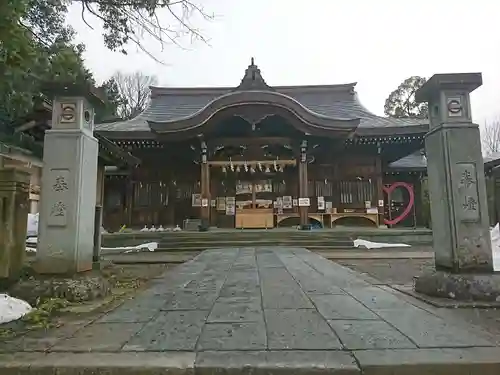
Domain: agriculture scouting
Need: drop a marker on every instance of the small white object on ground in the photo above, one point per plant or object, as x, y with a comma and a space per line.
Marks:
12, 308
150, 246
377, 245
177, 228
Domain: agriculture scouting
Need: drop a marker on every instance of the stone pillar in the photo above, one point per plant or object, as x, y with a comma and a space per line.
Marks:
303, 210
68, 191
455, 168
205, 188
14, 208
98, 214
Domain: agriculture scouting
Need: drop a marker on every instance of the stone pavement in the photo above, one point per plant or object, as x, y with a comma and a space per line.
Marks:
263, 310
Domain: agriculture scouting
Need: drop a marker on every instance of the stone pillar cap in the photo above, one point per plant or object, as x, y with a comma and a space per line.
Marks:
95, 96
450, 81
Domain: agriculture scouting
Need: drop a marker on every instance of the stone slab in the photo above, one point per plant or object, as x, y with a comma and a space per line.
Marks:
367, 334
276, 362
430, 331
171, 330
205, 284
236, 309
191, 300
314, 285
41, 340
464, 361
299, 329
341, 307
98, 363
285, 299
138, 310
376, 298
240, 290
100, 337
233, 336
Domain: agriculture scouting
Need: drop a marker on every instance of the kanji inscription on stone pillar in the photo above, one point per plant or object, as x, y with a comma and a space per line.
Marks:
59, 192
467, 190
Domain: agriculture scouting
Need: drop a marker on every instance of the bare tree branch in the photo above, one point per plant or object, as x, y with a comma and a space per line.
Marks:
134, 88
127, 21
490, 136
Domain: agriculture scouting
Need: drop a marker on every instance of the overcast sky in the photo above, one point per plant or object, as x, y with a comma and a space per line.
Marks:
375, 43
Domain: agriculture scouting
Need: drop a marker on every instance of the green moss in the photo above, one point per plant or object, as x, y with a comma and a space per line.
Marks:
44, 311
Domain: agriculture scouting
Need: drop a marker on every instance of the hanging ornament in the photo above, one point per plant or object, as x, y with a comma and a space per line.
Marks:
224, 169
275, 166
267, 169
252, 169
260, 166
237, 168
231, 165
246, 167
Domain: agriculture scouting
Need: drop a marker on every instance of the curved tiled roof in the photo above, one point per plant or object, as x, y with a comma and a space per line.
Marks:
169, 105
418, 161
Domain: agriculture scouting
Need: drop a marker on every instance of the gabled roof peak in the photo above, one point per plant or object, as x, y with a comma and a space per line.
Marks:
252, 80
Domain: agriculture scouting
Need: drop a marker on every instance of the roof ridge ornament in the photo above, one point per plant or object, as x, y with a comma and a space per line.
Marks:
252, 80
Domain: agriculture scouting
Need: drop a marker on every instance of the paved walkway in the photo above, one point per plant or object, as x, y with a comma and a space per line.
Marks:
266, 309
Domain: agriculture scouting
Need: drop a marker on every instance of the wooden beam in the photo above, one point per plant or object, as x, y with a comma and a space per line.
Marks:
244, 141
251, 162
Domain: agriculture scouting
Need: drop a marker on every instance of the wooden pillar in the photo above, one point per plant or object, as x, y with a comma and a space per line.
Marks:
14, 207
496, 192
205, 186
128, 200
379, 186
98, 214
303, 210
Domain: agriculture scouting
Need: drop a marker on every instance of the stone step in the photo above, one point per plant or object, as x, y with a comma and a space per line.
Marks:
261, 242
297, 238
180, 249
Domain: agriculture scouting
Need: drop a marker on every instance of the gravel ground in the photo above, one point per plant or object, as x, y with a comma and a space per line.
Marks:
402, 271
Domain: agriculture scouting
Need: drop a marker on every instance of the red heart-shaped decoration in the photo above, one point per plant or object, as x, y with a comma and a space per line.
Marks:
409, 188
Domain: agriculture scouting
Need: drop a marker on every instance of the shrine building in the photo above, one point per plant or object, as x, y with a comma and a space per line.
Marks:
260, 156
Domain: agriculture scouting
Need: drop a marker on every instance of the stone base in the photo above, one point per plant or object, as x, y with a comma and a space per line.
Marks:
80, 288
460, 287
